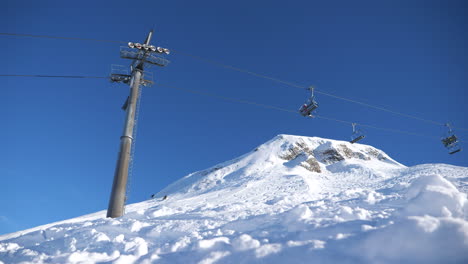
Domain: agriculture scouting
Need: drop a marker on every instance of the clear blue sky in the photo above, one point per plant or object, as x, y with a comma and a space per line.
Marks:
61, 136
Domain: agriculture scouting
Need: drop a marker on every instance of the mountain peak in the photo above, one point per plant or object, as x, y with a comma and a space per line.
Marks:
328, 151
286, 155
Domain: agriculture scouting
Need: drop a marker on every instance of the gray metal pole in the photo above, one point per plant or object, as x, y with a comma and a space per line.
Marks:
119, 186
118, 195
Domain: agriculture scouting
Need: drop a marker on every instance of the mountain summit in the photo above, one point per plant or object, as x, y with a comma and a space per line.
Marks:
292, 199
288, 155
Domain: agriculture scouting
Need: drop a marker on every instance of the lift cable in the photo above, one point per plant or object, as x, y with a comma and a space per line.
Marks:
305, 87
55, 37
236, 100
378, 128
214, 62
226, 98
292, 111
55, 76
239, 69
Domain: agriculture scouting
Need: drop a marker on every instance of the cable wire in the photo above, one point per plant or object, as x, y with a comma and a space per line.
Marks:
379, 128
54, 76
226, 98
219, 64
293, 111
304, 87
240, 70
55, 37
245, 102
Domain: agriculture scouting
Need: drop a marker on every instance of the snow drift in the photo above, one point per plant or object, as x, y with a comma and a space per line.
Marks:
291, 200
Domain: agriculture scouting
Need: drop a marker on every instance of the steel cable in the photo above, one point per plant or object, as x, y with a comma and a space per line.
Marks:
214, 62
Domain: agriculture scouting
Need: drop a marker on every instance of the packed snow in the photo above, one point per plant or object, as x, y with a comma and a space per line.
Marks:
291, 200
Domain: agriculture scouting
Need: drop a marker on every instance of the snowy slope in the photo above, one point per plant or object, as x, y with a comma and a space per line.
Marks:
291, 200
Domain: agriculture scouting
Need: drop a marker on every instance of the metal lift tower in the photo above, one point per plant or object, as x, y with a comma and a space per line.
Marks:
142, 55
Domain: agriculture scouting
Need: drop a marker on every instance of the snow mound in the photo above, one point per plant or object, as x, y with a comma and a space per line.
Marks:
291, 200
434, 230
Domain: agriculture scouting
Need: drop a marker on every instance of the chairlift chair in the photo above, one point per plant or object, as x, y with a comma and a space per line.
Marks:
450, 141
310, 105
357, 134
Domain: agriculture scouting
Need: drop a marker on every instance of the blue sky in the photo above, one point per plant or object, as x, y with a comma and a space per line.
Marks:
61, 136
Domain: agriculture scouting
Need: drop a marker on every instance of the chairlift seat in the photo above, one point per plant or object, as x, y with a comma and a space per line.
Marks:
306, 110
448, 141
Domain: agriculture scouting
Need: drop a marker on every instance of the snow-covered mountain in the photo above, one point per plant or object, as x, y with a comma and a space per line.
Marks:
291, 200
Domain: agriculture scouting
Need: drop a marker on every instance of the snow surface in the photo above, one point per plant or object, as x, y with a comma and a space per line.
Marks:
291, 200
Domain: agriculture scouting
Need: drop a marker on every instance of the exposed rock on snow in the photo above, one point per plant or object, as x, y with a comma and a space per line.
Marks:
291, 200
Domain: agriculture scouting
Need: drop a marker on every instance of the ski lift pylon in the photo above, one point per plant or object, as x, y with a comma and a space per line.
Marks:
357, 134
450, 141
310, 105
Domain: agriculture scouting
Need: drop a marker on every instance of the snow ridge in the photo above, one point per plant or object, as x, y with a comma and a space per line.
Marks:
291, 200
312, 153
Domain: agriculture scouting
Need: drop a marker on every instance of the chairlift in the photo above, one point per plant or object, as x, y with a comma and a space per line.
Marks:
450, 141
310, 105
357, 134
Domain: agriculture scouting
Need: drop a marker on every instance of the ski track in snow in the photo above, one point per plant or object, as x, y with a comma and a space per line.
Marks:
272, 206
